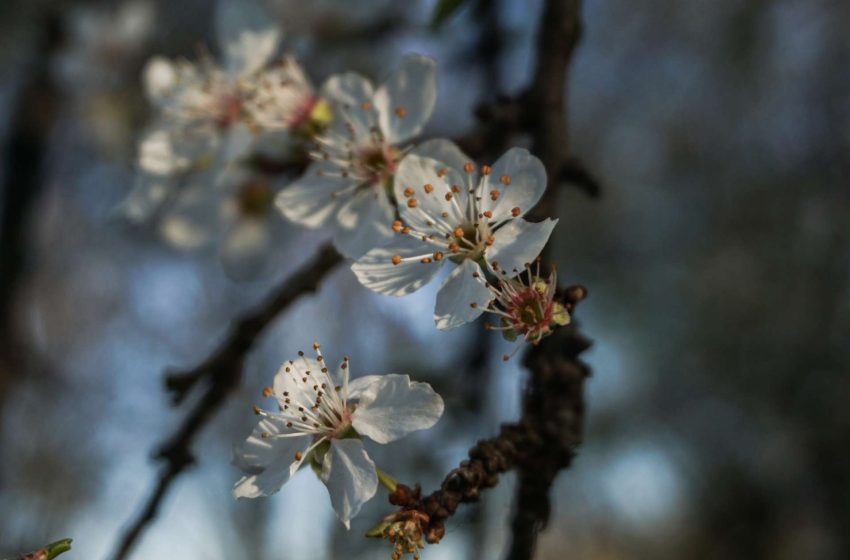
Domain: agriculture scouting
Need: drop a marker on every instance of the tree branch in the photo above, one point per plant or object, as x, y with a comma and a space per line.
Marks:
542, 442
221, 372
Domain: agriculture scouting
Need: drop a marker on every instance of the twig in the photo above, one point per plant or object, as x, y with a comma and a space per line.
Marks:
221, 372
542, 442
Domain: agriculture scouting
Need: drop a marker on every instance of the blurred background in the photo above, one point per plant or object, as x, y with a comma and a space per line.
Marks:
717, 259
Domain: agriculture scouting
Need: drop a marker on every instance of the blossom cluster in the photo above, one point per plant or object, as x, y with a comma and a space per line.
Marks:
401, 210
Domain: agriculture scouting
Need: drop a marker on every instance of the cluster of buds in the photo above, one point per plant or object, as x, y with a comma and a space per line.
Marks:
404, 530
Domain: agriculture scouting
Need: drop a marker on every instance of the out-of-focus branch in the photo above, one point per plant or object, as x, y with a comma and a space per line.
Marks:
541, 110
549, 402
539, 445
220, 374
33, 115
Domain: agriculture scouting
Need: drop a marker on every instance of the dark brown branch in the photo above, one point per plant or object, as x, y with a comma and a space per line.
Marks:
542, 442
33, 116
220, 373
560, 31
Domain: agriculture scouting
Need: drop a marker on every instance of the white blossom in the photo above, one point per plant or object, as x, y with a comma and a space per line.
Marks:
320, 420
350, 182
452, 211
526, 306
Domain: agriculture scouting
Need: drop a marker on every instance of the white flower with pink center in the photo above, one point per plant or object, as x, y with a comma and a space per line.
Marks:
320, 420
350, 182
452, 211
526, 306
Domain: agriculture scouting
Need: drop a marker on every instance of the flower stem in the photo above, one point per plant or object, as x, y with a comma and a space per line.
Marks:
387, 481
57, 548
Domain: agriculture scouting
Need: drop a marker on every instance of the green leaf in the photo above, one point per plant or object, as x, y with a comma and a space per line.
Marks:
444, 10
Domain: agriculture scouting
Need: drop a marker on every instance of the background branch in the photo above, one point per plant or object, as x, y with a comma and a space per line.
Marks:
221, 373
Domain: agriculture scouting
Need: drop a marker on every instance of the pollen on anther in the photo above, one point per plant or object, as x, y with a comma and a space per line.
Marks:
397, 225
505, 179
300, 353
265, 435
515, 211
426, 260
268, 391
412, 203
445, 214
289, 424
438, 256
316, 346
442, 172
469, 167
401, 112
396, 259
408, 192
458, 232
257, 410
486, 169
488, 214
429, 188
454, 247
473, 305
405, 230
455, 189
366, 105
298, 455
494, 195
448, 196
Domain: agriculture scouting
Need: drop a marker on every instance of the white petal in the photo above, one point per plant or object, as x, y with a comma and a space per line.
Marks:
159, 155
406, 100
257, 452
237, 143
350, 476
266, 461
247, 35
245, 248
348, 89
159, 77
392, 406
364, 222
290, 381
421, 174
269, 480
516, 244
444, 151
462, 297
376, 271
309, 201
526, 179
